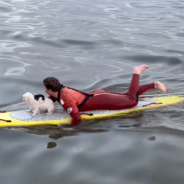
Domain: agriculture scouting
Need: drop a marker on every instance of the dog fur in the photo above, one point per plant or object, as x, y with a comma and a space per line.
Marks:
40, 105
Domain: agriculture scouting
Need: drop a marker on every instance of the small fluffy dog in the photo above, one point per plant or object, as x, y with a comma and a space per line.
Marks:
41, 104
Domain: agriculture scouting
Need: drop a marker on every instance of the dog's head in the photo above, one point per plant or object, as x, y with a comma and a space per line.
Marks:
28, 98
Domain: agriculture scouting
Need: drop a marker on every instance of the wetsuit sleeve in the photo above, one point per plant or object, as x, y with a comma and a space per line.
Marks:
70, 106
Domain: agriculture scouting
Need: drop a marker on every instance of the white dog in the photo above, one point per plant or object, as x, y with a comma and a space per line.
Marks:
40, 105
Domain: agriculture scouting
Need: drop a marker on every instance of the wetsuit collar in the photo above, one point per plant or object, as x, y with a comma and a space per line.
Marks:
59, 93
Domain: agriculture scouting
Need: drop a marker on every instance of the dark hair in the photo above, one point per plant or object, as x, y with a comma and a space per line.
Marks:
52, 83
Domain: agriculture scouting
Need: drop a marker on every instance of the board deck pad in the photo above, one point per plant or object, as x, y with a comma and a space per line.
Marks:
61, 114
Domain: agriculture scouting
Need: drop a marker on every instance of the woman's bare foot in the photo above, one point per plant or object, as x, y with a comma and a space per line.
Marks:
161, 86
139, 69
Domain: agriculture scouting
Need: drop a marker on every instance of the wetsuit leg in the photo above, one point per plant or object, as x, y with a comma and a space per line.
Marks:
110, 101
134, 86
144, 88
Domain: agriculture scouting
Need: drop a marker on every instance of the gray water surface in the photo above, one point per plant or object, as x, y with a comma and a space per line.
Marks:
92, 45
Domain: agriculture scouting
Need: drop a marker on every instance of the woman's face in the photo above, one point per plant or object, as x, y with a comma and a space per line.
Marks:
48, 91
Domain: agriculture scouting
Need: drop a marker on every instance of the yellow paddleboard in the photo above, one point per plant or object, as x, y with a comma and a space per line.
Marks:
24, 118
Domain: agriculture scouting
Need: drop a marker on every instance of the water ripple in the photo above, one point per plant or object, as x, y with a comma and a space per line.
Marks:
90, 45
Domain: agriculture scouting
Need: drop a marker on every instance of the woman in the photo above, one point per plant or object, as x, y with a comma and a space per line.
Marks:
74, 101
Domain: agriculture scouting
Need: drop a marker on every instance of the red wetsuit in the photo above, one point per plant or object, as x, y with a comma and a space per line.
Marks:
74, 101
